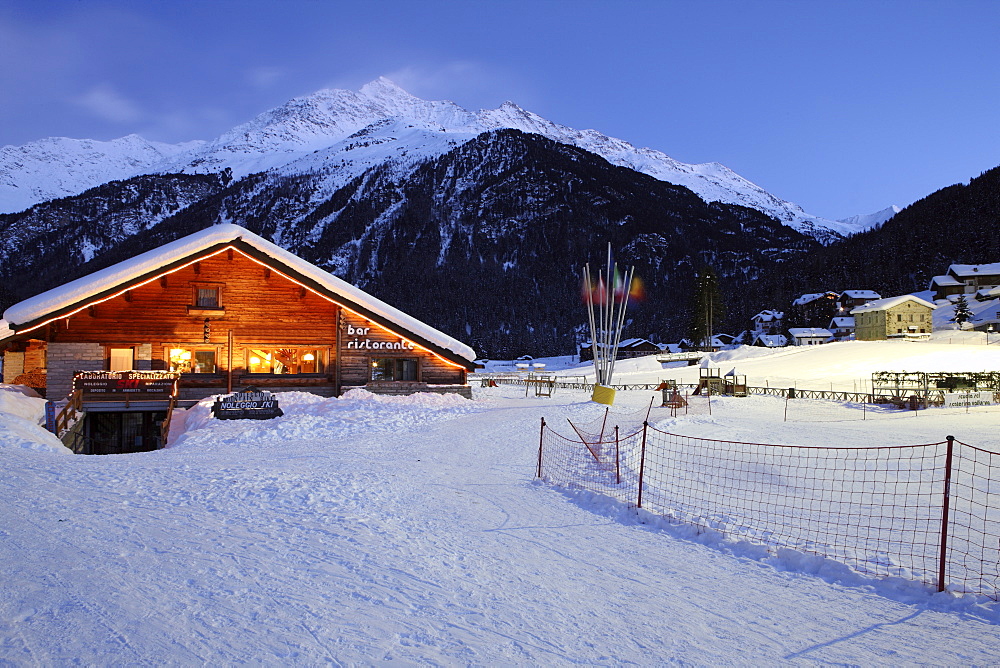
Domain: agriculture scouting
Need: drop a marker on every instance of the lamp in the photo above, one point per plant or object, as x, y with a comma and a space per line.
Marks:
308, 357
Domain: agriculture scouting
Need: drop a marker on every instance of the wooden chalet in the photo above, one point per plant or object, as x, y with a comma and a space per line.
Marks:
209, 314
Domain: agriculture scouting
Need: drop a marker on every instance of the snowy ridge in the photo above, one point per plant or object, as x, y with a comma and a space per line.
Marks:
868, 221
322, 127
60, 167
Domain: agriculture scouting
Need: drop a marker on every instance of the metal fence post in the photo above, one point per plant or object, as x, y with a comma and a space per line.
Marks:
541, 437
945, 512
642, 464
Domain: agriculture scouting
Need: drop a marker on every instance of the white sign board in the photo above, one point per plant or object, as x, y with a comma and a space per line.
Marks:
983, 398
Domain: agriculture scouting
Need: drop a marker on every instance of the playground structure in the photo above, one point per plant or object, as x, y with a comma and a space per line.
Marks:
920, 389
711, 382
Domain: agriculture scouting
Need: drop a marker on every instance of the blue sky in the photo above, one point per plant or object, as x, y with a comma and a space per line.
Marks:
842, 107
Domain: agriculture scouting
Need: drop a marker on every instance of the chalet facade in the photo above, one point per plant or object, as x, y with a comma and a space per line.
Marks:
223, 309
966, 279
893, 317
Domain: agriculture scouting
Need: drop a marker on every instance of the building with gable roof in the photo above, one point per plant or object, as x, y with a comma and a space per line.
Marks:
893, 317
221, 309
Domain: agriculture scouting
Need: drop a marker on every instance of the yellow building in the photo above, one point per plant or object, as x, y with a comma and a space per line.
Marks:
893, 317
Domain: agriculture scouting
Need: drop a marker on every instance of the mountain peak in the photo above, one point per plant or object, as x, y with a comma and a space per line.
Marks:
385, 88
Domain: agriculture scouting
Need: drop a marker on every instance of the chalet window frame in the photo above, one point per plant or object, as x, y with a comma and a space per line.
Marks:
194, 348
197, 308
398, 370
324, 361
108, 357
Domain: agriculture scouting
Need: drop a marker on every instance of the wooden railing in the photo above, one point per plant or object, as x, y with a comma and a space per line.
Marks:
165, 425
69, 412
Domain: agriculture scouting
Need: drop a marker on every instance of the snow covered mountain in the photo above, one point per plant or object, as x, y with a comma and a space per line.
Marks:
344, 133
864, 222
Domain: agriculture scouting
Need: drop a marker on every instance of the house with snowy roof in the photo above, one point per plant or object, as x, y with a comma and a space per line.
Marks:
850, 299
814, 309
768, 322
965, 279
219, 309
893, 317
842, 327
809, 336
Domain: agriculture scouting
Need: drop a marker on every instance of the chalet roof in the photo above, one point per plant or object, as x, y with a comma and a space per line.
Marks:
62, 300
889, 302
841, 321
972, 270
810, 332
809, 298
861, 294
945, 280
771, 340
768, 316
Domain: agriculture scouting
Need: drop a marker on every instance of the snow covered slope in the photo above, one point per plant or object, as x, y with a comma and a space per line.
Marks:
324, 127
367, 530
864, 222
59, 167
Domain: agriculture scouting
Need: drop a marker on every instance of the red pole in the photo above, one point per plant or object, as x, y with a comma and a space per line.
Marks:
945, 512
541, 437
618, 469
642, 464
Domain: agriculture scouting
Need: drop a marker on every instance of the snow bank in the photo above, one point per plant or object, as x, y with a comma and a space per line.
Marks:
20, 418
311, 417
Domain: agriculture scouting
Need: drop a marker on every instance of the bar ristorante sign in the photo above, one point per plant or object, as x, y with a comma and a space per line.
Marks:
250, 404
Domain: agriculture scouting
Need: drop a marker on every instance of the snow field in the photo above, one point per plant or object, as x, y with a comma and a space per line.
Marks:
411, 530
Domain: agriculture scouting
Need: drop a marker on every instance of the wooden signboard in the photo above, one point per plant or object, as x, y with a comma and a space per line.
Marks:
126, 385
247, 405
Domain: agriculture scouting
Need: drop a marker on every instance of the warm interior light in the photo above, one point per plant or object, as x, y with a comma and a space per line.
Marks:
175, 353
254, 360
186, 355
308, 357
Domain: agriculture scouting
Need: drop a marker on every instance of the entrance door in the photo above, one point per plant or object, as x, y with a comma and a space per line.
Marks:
120, 433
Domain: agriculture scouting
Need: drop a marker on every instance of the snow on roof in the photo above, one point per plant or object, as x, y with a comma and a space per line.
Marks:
842, 321
971, 270
810, 332
805, 299
771, 340
79, 290
889, 302
861, 294
768, 315
945, 280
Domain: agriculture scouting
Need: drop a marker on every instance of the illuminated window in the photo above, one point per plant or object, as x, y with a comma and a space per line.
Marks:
285, 360
394, 368
120, 359
207, 298
192, 360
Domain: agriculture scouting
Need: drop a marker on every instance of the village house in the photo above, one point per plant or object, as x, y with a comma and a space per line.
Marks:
893, 317
966, 279
842, 327
814, 310
215, 311
809, 336
850, 299
768, 322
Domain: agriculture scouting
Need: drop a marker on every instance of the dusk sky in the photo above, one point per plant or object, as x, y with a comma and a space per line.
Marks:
842, 107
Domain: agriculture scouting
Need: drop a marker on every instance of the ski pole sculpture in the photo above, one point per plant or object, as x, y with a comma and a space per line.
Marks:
606, 301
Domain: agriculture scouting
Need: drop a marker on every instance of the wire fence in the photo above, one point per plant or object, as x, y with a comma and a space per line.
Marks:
929, 512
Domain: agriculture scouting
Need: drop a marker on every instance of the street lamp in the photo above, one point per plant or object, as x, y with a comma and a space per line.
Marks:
989, 330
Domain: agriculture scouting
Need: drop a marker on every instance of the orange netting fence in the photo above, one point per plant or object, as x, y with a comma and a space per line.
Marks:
929, 513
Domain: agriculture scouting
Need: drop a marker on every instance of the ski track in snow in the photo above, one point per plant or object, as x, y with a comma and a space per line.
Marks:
412, 531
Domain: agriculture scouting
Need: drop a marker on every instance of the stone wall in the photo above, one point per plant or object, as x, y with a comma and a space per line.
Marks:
64, 359
13, 366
